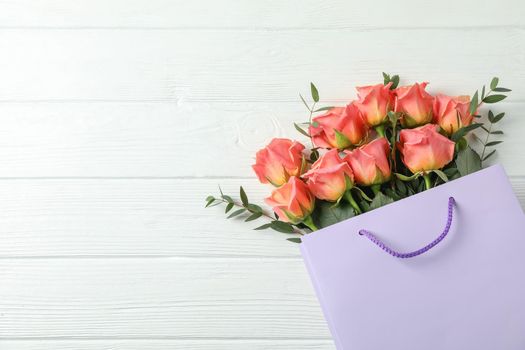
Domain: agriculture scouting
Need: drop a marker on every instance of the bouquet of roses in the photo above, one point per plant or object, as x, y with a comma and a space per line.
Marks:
389, 143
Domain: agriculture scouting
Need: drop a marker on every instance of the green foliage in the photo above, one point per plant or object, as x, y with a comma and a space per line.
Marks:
379, 200
468, 161
394, 79
327, 213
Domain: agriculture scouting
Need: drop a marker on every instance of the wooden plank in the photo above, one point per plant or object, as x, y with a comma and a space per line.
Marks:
207, 65
135, 218
168, 344
333, 14
158, 298
122, 218
167, 139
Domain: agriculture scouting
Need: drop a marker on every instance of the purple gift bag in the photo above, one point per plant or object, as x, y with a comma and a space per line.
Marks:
443, 269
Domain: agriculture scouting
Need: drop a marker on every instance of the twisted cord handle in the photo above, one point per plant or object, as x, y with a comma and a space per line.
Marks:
426, 248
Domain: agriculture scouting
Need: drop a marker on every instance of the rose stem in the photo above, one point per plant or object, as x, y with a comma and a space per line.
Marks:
353, 203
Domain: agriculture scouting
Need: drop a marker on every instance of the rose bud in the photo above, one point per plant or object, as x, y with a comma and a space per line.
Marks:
330, 177
278, 161
292, 202
370, 163
340, 127
423, 149
375, 102
415, 104
452, 113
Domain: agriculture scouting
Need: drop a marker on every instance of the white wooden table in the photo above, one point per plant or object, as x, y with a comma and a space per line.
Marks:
118, 117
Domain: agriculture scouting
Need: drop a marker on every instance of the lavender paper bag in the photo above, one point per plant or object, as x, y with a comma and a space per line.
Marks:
466, 292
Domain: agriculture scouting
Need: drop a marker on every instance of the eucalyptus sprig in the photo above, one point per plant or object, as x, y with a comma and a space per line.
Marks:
311, 109
251, 212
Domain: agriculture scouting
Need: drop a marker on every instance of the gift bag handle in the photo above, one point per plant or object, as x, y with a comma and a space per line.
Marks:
426, 248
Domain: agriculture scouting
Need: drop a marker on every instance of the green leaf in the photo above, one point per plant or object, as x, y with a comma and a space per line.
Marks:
326, 214
441, 175
493, 143
494, 98
395, 82
281, 226
298, 128
502, 89
498, 117
254, 216
322, 109
474, 103
483, 92
494, 83
490, 117
254, 208
294, 240
227, 198
379, 200
228, 208
468, 161
209, 201
244, 197
315, 93
304, 101
464, 130
407, 178
386, 78
488, 155
237, 212
496, 132
263, 227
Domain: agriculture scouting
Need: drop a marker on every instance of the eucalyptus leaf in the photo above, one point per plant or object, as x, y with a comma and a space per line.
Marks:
298, 128
498, 117
281, 226
494, 83
254, 208
263, 227
294, 240
254, 216
502, 89
468, 161
322, 109
315, 93
237, 212
227, 198
474, 103
244, 197
229, 207
494, 98
304, 101
493, 143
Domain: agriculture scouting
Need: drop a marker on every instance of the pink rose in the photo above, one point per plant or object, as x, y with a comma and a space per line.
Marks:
329, 177
370, 163
452, 113
292, 202
424, 148
415, 104
375, 102
340, 127
278, 161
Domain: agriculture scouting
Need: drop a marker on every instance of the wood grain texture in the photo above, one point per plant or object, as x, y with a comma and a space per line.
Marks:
167, 344
274, 14
263, 66
152, 298
184, 139
118, 117
135, 218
